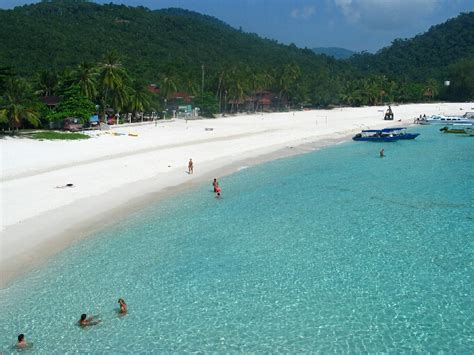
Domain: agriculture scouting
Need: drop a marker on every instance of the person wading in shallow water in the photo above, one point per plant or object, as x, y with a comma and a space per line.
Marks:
123, 306
218, 192
84, 321
22, 344
382, 153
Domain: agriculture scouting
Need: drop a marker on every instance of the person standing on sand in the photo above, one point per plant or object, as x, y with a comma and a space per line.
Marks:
382, 153
190, 167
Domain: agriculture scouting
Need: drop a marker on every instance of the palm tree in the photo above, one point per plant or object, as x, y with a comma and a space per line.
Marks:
259, 82
47, 82
139, 98
112, 82
85, 77
169, 86
190, 86
431, 89
236, 86
16, 105
289, 77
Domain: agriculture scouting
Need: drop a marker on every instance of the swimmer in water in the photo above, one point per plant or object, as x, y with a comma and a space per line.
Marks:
123, 306
22, 344
382, 153
84, 321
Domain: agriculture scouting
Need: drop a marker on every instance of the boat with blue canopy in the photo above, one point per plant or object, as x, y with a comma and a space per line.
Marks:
374, 135
384, 135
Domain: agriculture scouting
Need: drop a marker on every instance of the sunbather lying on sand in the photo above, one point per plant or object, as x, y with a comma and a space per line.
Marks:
64, 186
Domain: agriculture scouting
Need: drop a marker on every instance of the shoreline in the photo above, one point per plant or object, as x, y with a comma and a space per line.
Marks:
114, 177
72, 229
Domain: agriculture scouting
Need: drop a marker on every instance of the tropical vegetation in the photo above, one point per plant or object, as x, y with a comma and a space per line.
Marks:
102, 59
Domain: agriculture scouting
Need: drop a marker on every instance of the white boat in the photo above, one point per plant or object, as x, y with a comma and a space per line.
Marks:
440, 119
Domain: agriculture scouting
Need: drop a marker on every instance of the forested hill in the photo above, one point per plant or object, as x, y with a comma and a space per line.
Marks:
58, 46
60, 34
336, 52
427, 55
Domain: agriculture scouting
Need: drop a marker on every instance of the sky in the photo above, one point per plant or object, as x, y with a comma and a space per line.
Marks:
358, 25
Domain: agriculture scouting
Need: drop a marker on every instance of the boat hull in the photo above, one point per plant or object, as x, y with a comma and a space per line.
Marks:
375, 139
408, 136
455, 131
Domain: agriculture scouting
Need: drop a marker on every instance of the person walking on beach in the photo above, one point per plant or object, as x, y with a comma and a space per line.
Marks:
22, 344
84, 321
215, 185
123, 306
382, 153
190, 167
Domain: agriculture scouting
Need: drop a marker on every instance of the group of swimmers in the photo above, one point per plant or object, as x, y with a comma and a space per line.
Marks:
83, 322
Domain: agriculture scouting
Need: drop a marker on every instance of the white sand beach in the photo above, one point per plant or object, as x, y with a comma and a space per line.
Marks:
114, 175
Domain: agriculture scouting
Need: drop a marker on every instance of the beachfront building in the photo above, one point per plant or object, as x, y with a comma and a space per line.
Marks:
267, 101
258, 101
154, 89
180, 104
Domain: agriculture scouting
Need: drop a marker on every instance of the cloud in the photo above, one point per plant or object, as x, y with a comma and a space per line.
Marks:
386, 14
304, 13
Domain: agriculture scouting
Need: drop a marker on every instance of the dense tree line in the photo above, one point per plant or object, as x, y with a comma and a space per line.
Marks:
105, 55
424, 56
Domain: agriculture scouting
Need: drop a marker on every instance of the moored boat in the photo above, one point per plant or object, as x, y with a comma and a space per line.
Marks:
384, 135
374, 135
456, 128
440, 119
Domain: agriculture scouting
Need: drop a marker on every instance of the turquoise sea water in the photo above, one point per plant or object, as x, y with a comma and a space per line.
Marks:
336, 250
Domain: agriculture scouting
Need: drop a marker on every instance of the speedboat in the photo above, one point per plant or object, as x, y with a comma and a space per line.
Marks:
440, 119
400, 133
375, 135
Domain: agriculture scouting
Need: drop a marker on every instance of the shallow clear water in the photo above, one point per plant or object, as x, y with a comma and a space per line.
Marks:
336, 250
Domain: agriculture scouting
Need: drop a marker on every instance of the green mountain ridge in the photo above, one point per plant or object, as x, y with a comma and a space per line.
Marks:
58, 34
181, 50
335, 52
425, 55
